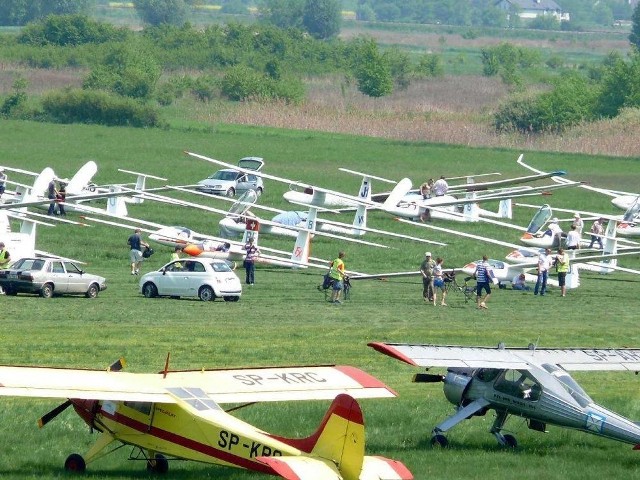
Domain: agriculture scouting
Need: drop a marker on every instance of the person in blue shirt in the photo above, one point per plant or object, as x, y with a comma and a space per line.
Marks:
483, 276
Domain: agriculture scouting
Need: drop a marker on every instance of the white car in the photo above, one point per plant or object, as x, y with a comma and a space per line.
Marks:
206, 279
229, 182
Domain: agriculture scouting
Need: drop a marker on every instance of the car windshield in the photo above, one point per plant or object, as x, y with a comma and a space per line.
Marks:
72, 268
220, 267
29, 264
225, 175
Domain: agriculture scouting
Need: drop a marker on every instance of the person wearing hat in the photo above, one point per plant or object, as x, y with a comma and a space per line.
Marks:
555, 231
578, 223
426, 269
3, 181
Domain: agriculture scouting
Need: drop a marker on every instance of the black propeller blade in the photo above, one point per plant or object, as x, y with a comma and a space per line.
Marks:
428, 378
47, 417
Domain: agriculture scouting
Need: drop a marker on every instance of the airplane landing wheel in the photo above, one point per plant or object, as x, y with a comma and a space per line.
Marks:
510, 441
75, 463
159, 464
439, 441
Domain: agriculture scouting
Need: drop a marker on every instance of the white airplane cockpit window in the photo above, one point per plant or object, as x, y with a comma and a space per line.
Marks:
633, 212
569, 384
520, 384
243, 203
142, 407
540, 219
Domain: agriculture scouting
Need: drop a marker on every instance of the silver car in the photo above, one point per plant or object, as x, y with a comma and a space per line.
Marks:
206, 279
48, 277
229, 182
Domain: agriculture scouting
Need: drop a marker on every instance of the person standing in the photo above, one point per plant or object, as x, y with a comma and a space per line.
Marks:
562, 267
60, 199
438, 282
51, 195
483, 275
426, 269
336, 273
441, 187
544, 263
555, 231
135, 253
572, 242
596, 233
250, 261
5, 260
578, 223
3, 182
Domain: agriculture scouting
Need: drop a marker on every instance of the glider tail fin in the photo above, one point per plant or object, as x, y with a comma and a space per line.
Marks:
302, 247
360, 219
117, 205
505, 210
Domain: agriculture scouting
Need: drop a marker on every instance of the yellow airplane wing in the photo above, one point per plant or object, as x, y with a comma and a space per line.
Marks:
223, 386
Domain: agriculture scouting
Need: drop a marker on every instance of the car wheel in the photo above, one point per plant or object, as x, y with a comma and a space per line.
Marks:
92, 292
149, 290
231, 298
75, 463
206, 294
230, 193
258, 192
46, 291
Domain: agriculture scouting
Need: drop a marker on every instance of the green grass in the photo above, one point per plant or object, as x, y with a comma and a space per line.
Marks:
284, 319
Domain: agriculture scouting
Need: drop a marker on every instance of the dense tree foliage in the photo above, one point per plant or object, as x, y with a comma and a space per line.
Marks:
158, 12
69, 30
282, 13
20, 12
322, 18
634, 37
372, 69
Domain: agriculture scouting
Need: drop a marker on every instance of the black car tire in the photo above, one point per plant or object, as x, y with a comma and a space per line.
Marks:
230, 193
231, 298
206, 294
92, 291
149, 290
47, 290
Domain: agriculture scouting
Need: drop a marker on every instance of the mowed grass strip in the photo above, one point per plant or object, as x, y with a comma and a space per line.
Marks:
284, 319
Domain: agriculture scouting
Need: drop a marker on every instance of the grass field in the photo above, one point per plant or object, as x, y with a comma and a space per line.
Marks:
284, 319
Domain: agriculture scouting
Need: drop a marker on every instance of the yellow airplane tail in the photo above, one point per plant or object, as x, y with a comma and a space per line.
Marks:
336, 450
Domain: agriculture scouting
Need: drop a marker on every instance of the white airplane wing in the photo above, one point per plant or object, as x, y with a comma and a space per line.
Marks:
516, 358
223, 386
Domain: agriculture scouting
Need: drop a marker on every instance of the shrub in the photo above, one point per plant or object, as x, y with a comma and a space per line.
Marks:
430, 65
69, 30
87, 106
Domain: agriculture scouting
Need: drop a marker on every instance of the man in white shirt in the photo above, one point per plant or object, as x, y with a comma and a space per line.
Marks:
441, 187
544, 264
573, 239
555, 231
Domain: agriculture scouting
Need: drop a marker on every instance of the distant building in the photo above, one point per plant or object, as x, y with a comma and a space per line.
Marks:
528, 9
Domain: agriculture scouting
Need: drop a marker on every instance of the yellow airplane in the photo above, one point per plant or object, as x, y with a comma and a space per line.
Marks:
177, 415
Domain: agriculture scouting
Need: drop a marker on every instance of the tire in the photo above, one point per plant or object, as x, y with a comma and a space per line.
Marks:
510, 441
10, 292
230, 193
159, 464
232, 298
439, 441
259, 192
149, 290
93, 291
206, 294
75, 463
47, 290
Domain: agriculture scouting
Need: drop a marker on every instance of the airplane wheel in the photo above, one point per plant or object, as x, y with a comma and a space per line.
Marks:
510, 441
46, 291
159, 464
149, 290
92, 292
439, 441
75, 463
206, 294
231, 298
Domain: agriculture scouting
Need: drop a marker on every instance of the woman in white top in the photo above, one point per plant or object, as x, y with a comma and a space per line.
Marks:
438, 282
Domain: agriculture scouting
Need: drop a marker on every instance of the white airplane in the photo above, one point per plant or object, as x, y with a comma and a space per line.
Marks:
620, 199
